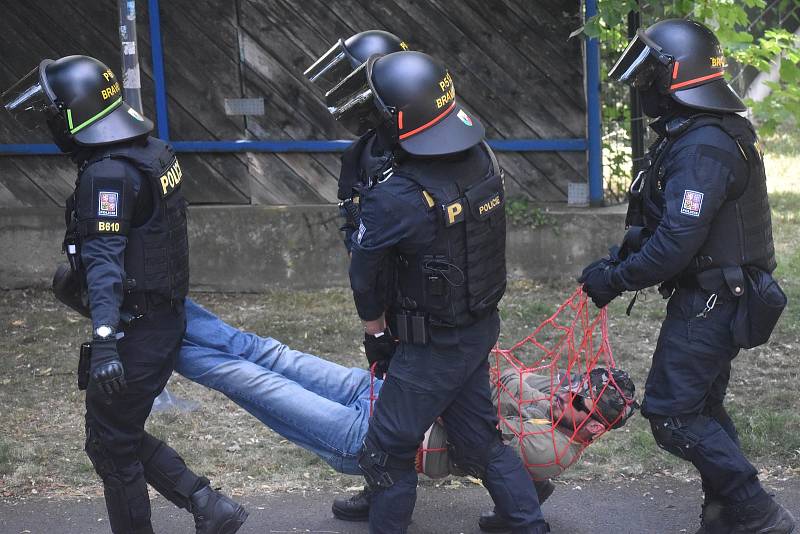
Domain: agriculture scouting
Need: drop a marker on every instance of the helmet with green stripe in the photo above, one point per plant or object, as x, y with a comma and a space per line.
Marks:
79, 98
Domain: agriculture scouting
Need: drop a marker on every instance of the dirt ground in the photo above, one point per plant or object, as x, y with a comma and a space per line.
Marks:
41, 446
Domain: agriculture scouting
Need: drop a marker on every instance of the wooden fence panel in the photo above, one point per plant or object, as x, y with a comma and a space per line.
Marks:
512, 62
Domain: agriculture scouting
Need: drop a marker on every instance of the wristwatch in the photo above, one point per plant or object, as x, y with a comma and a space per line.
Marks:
104, 332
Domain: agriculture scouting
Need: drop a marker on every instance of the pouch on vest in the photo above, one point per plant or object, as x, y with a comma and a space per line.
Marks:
486, 204
759, 309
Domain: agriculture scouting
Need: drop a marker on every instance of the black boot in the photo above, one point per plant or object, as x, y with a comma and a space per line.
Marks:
491, 522
353, 508
214, 513
761, 515
713, 519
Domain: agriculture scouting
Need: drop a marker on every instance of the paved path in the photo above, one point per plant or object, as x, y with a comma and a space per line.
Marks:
660, 506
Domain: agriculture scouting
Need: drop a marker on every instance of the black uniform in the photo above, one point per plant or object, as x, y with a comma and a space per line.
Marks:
705, 201
127, 218
444, 219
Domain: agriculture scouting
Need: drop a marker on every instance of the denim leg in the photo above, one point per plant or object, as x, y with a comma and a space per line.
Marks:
328, 429
330, 380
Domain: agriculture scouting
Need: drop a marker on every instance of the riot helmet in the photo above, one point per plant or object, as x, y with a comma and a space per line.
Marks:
347, 55
681, 59
80, 100
413, 96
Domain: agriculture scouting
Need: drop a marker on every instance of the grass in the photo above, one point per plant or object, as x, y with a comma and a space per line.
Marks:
41, 446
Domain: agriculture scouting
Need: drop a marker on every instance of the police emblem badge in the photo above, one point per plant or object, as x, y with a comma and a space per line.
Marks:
692, 203
107, 205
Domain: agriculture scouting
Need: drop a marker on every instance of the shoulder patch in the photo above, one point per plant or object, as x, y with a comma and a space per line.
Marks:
108, 204
692, 203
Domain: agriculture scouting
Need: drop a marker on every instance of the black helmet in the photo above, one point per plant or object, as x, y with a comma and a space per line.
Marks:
683, 59
612, 393
414, 95
346, 56
79, 97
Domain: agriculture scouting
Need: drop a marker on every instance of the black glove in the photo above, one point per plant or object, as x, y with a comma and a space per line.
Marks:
379, 350
598, 283
106, 368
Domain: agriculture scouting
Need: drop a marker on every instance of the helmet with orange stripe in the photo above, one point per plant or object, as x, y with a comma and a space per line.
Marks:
682, 59
411, 96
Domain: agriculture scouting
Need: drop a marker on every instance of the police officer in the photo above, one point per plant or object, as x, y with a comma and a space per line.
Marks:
363, 165
127, 243
699, 222
439, 206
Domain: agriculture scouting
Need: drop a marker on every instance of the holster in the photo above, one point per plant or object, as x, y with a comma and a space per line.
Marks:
84, 362
760, 301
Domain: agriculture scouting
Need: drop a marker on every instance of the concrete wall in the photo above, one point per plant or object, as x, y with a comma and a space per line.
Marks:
249, 248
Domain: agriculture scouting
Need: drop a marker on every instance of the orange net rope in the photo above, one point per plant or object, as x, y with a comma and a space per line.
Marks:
537, 382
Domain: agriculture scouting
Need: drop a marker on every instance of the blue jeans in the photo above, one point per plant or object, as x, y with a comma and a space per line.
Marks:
316, 404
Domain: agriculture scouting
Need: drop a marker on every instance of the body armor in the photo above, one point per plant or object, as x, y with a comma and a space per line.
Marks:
741, 233
157, 252
461, 276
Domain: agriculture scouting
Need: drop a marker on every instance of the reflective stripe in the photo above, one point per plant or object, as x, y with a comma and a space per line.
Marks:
696, 80
675, 70
430, 123
75, 129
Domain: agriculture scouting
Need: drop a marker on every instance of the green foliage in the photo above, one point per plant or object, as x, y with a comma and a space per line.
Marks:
754, 34
522, 212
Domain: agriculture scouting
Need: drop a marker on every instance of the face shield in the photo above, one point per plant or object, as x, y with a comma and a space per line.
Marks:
639, 64
331, 68
29, 100
354, 102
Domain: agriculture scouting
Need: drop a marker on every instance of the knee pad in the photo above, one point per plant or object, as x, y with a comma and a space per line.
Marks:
378, 465
166, 471
678, 435
128, 506
98, 454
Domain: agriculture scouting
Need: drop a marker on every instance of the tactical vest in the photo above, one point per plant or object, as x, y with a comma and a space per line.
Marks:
461, 276
741, 232
157, 253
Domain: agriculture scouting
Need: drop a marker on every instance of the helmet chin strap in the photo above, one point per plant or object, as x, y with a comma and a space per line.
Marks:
61, 136
387, 135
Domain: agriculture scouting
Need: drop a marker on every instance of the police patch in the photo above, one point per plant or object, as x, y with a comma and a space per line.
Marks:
692, 203
107, 204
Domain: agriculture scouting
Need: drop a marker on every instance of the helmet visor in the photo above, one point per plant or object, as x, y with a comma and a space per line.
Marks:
353, 102
27, 101
331, 68
637, 66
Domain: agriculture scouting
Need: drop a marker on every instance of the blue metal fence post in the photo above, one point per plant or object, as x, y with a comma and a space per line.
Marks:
594, 131
157, 50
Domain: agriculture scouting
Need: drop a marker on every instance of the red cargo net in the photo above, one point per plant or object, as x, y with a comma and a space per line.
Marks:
565, 347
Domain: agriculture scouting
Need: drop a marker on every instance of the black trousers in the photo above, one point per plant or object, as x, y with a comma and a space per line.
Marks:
686, 389
123, 454
449, 377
